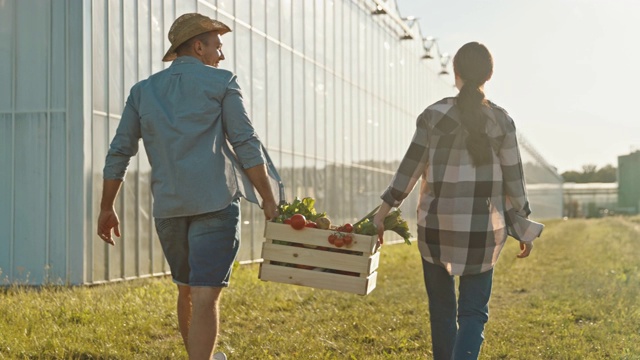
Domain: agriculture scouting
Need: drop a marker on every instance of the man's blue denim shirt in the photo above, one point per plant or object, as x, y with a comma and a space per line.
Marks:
187, 115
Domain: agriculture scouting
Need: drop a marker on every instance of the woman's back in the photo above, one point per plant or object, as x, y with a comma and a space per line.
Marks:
462, 205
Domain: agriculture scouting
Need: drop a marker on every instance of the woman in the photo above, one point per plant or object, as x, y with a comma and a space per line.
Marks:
472, 196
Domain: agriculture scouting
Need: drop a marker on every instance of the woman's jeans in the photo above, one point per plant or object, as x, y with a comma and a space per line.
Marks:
461, 341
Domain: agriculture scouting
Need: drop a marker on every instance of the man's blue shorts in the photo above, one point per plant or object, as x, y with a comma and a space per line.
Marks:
201, 249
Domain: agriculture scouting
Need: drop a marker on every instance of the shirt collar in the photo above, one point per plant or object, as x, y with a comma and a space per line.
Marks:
185, 59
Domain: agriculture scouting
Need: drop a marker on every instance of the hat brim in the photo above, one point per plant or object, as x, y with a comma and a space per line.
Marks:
171, 54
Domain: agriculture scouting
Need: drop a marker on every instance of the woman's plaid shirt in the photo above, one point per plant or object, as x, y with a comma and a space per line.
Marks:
465, 213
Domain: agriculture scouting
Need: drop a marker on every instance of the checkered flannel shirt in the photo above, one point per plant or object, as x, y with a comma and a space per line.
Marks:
465, 213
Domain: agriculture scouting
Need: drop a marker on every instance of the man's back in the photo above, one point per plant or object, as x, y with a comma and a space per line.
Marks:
185, 114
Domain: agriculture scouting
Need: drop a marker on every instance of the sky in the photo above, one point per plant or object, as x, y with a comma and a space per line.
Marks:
567, 71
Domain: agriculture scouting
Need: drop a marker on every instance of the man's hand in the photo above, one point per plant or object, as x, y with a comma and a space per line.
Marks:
526, 248
108, 220
270, 209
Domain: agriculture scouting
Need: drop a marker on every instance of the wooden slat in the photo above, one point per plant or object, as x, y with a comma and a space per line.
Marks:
320, 258
317, 237
316, 279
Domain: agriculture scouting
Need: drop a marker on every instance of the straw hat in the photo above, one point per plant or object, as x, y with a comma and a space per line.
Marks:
189, 25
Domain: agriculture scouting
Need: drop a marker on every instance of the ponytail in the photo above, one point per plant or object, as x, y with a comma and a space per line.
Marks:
474, 65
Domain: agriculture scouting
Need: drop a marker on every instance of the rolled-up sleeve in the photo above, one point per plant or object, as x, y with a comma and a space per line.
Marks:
512, 173
124, 144
411, 167
238, 127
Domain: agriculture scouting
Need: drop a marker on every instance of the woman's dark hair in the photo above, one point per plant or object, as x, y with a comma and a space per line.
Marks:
473, 64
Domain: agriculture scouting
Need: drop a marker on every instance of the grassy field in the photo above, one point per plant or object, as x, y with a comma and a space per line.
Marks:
576, 297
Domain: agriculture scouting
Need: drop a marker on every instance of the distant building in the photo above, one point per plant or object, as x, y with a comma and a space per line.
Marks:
590, 199
629, 182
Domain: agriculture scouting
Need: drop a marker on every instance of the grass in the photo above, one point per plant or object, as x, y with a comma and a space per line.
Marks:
576, 297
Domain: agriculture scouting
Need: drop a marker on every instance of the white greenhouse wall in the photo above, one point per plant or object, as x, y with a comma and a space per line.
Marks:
333, 82
44, 190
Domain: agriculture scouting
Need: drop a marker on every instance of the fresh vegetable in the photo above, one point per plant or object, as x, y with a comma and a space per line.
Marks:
311, 224
298, 221
393, 221
323, 223
332, 238
346, 228
303, 207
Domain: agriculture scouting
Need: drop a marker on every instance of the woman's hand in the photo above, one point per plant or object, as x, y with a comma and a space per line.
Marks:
526, 248
378, 221
379, 224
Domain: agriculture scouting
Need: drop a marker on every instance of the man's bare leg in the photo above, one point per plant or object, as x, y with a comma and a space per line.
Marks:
184, 312
203, 329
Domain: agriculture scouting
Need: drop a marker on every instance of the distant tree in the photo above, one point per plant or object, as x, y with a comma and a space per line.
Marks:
572, 176
591, 173
607, 174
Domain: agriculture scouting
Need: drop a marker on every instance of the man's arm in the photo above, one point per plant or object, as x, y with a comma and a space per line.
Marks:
260, 179
108, 218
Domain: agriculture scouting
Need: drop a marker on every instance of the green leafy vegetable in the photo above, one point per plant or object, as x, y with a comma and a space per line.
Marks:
304, 207
393, 221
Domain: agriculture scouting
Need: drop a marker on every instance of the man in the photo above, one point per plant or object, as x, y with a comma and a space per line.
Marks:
187, 115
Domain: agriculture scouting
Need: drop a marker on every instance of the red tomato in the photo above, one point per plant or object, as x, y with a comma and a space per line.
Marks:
347, 227
311, 224
287, 221
339, 242
298, 221
347, 239
332, 238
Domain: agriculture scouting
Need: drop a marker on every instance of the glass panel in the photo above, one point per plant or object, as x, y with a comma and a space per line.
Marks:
230, 47
311, 134
319, 32
273, 18
320, 117
243, 11
286, 100
130, 49
185, 6
258, 86
144, 41
114, 31
7, 20
100, 144
32, 20
258, 14
57, 198
273, 70
159, 41
285, 22
327, 48
99, 44
58, 60
246, 232
309, 31
145, 217
6, 182
243, 63
329, 146
129, 196
339, 123
30, 192
226, 6
338, 39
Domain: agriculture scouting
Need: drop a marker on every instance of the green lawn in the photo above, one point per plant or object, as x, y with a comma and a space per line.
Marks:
576, 297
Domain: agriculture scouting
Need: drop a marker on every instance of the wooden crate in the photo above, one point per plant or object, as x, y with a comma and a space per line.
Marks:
305, 257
